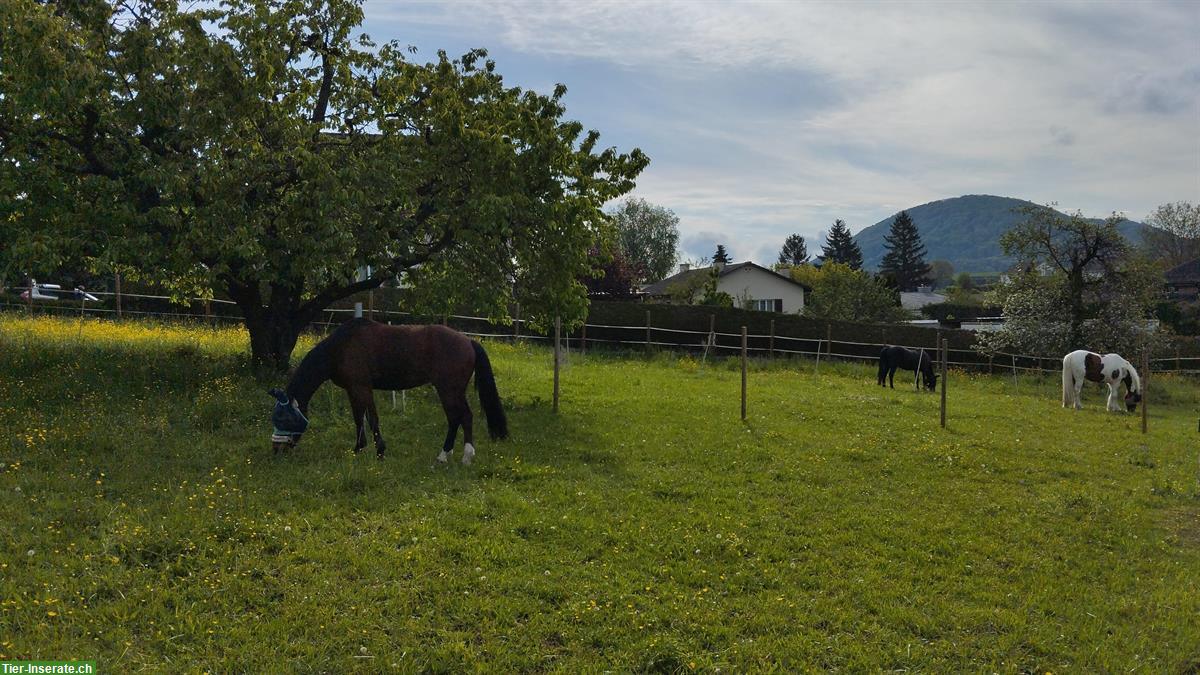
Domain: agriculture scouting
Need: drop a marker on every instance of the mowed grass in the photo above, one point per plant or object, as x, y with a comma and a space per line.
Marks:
147, 526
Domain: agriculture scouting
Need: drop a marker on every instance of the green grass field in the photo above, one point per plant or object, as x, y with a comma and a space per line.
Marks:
147, 526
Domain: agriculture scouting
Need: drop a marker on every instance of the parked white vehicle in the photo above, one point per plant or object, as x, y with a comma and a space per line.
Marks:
56, 292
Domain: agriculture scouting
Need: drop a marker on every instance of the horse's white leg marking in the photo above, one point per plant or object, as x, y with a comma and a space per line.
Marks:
1067, 382
468, 453
1113, 406
443, 456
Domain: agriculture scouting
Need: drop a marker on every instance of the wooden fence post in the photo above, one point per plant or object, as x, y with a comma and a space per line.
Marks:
557, 330
772, 343
517, 324
117, 295
743, 373
583, 337
829, 340
945, 357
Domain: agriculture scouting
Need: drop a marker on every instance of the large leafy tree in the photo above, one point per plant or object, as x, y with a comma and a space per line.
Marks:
647, 235
794, 251
904, 261
840, 246
1080, 286
1174, 237
847, 294
267, 151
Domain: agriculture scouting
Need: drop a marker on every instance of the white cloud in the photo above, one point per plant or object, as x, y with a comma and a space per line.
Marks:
887, 105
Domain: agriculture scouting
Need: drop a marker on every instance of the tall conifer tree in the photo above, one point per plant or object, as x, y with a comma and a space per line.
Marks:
840, 246
905, 259
794, 251
721, 256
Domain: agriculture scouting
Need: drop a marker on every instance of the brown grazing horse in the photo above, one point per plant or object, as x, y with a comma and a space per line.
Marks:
364, 355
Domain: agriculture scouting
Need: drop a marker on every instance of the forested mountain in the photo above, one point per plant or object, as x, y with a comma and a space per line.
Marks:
964, 230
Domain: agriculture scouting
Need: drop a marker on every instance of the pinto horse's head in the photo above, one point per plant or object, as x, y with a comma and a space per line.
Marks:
288, 421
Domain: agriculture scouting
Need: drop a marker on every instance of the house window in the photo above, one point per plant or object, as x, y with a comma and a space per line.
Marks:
775, 305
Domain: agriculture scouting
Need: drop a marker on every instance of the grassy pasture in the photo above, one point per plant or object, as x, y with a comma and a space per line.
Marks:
146, 525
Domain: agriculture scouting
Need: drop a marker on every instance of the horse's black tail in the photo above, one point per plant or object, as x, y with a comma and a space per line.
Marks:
489, 398
883, 366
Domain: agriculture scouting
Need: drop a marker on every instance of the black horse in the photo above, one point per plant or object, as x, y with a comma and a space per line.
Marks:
892, 358
364, 355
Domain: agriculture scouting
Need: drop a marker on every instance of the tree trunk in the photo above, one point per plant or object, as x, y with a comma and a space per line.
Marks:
1076, 328
272, 339
273, 330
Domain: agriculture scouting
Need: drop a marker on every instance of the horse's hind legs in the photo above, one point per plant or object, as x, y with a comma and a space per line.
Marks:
373, 418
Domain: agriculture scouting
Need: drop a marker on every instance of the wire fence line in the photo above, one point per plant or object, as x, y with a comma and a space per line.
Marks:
624, 336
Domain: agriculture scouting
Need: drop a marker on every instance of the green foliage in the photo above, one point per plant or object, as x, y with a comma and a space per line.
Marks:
721, 255
270, 152
645, 526
647, 235
1174, 237
794, 251
709, 295
941, 272
846, 294
964, 281
840, 246
905, 259
1082, 288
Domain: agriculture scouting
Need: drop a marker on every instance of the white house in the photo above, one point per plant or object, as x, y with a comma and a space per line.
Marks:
751, 287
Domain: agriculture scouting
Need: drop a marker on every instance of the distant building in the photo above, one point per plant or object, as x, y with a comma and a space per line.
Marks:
751, 287
924, 295
1183, 281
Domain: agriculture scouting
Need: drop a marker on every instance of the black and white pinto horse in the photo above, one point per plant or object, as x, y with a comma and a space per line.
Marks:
920, 362
1110, 369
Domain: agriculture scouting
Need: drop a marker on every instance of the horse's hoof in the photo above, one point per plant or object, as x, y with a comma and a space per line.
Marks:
468, 454
443, 457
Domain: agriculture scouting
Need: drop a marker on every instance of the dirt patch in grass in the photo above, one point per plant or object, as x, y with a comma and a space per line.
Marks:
1184, 523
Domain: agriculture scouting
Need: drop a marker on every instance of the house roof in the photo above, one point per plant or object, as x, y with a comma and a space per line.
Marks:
1188, 272
918, 300
662, 287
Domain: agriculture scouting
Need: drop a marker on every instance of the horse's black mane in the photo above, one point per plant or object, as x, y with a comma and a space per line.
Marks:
317, 364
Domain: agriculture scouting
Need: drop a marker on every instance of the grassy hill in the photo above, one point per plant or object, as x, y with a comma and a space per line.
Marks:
964, 230
645, 528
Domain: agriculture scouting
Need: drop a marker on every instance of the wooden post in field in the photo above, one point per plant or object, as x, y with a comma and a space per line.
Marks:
557, 358
829, 340
743, 373
445, 319
990, 357
647, 331
208, 311
1014, 365
817, 365
117, 294
1178, 366
772, 343
945, 357
517, 324
1145, 382
29, 307
583, 337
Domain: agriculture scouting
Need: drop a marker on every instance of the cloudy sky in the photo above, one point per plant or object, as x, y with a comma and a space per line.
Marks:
771, 118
